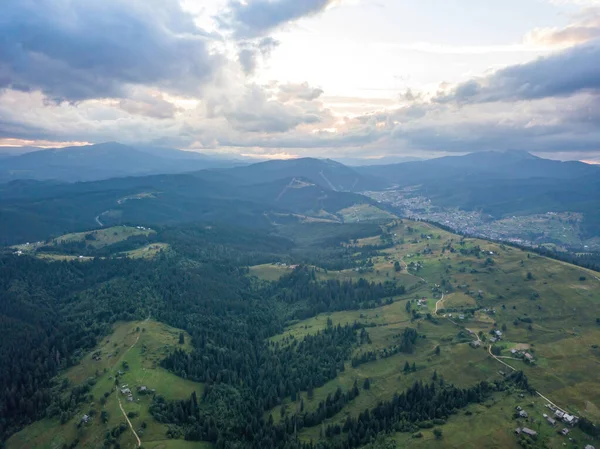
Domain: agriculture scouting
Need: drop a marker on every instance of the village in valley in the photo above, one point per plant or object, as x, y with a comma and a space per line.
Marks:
561, 228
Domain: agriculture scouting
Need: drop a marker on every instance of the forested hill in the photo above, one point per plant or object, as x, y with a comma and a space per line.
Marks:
51, 312
344, 345
33, 211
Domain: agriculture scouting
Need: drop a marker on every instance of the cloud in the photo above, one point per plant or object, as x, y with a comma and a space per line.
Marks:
77, 50
149, 104
301, 91
562, 74
586, 28
255, 111
256, 18
251, 51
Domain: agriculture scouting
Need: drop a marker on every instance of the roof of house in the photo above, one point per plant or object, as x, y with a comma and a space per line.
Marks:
528, 431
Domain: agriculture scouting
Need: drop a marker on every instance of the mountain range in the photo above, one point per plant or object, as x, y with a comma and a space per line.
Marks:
59, 201
103, 161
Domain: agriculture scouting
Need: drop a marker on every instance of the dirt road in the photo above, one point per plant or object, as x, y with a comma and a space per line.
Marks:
139, 442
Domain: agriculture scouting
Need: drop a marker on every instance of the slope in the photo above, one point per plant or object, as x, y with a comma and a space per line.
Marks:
102, 161
326, 173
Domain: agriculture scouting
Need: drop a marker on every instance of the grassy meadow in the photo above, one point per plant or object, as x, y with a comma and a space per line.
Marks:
544, 305
139, 346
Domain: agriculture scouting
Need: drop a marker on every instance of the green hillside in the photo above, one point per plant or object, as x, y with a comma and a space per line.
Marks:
552, 312
135, 349
290, 335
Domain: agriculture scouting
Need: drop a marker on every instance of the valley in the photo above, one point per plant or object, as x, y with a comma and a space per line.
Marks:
271, 306
560, 231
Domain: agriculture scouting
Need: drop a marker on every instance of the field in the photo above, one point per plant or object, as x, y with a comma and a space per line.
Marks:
95, 240
362, 212
102, 237
269, 272
147, 252
544, 305
134, 348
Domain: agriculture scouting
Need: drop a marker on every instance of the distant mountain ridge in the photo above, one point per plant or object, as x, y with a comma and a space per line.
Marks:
103, 161
499, 183
326, 173
482, 165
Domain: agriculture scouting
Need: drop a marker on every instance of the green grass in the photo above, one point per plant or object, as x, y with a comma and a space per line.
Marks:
564, 330
177, 444
154, 341
269, 272
148, 251
491, 425
363, 212
103, 237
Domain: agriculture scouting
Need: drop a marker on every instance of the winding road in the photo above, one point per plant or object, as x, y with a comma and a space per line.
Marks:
98, 219
139, 442
498, 359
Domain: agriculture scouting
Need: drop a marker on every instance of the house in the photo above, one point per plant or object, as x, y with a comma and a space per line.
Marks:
142, 388
528, 357
531, 433
125, 391
570, 419
519, 408
518, 430
498, 334
565, 431
513, 351
461, 317
523, 414
551, 421
130, 398
559, 414
475, 343
589, 446
85, 418
493, 340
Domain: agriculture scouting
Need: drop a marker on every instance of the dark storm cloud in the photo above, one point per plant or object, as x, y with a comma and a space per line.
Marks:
77, 50
566, 73
258, 17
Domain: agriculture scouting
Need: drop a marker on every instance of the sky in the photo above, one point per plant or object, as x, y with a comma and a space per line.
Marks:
294, 78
